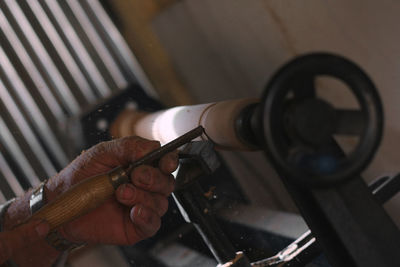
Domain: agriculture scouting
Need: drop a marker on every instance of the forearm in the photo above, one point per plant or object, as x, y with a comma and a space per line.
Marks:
38, 254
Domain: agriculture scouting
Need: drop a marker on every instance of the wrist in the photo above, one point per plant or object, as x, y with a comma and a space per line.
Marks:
17, 212
41, 254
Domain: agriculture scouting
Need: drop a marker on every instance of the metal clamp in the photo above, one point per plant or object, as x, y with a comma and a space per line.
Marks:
37, 199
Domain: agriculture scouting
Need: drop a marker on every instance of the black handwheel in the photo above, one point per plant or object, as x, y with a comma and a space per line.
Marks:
298, 131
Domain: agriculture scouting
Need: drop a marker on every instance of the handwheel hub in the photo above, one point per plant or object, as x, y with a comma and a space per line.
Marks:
298, 127
314, 121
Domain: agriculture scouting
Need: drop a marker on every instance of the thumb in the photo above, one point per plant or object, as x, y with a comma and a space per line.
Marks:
20, 237
107, 155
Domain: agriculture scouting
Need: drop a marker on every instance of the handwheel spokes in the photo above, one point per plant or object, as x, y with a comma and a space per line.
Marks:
309, 120
304, 88
350, 122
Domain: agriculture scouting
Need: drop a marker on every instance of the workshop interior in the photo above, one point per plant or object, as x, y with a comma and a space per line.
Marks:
285, 114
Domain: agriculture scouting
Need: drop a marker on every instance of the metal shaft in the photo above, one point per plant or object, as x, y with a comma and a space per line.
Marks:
169, 147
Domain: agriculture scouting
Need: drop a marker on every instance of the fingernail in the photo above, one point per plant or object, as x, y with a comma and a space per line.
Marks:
42, 229
143, 214
145, 176
138, 211
127, 191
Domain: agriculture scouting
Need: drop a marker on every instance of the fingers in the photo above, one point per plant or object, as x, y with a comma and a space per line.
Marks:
116, 152
126, 150
153, 180
129, 195
145, 220
20, 237
169, 162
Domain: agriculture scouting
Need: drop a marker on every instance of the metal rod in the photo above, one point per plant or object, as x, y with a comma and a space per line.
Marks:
169, 147
120, 48
99, 46
7, 174
78, 47
61, 48
25, 130
10, 144
31, 69
30, 106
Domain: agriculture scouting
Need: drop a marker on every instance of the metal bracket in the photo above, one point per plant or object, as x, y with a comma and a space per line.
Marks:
199, 158
305, 248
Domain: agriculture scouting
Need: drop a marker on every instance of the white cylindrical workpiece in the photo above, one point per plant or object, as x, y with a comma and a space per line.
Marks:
218, 120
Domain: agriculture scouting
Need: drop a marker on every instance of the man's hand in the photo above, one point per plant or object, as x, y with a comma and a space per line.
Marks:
135, 211
21, 237
131, 215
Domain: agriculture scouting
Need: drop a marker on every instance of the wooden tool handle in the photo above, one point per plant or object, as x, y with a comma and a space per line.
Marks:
81, 198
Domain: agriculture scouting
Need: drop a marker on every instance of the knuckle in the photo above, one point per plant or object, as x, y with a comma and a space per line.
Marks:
144, 176
172, 162
127, 194
154, 144
140, 196
101, 148
127, 147
135, 173
120, 191
152, 176
146, 198
157, 178
145, 146
123, 148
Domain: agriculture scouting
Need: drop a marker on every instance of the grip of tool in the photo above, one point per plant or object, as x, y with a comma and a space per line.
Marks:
81, 198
